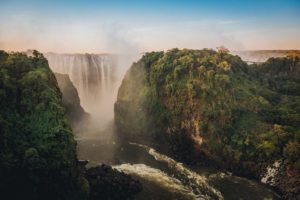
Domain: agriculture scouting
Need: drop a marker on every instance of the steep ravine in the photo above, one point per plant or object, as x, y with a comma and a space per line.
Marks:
206, 105
38, 158
104, 181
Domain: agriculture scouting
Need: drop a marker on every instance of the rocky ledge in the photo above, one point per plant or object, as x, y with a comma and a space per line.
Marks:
108, 183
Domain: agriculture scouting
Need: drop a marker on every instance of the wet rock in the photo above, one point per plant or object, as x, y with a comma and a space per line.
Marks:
271, 173
287, 182
108, 183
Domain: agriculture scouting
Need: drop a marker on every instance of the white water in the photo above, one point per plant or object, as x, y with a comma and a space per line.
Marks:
271, 173
158, 177
95, 76
194, 182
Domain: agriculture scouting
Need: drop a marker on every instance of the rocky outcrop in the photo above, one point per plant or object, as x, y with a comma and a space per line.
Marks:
108, 183
70, 99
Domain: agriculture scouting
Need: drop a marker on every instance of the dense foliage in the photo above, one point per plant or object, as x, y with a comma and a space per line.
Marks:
280, 86
203, 101
37, 149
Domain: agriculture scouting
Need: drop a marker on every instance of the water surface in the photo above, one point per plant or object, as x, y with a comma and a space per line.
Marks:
164, 178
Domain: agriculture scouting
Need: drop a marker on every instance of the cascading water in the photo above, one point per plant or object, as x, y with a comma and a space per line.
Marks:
92, 74
96, 77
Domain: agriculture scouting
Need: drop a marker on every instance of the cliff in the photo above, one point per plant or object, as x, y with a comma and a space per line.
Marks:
70, 99
37, 150
203, 103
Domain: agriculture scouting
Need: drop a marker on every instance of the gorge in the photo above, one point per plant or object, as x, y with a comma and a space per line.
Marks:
187, 124
149, 100
38, 158
105, 145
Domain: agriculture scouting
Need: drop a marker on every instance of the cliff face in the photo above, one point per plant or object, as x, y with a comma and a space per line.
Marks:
70, 99
37, 150
212, 104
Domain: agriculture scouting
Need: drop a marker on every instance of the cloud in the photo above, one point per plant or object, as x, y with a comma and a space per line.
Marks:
29, 32
190, 34
98, 35
117, 39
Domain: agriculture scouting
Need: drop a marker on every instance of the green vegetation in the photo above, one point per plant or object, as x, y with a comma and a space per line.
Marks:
203, 101
37, 150
280, 85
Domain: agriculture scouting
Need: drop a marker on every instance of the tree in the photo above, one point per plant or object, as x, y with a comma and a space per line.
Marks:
222, 49
37, 54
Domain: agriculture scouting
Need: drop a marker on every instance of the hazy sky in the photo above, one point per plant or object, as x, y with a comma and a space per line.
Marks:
137, 25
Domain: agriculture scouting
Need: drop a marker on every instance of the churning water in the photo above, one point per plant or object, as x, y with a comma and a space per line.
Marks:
164, 178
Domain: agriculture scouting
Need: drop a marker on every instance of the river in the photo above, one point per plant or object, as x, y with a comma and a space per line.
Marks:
164, 178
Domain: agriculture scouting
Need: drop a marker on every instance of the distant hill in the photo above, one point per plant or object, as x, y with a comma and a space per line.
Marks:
259, 56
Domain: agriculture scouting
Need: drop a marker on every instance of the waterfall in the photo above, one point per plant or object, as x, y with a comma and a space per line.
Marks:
95, 76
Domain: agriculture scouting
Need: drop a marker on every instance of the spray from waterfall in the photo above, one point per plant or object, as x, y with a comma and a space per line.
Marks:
97, 78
